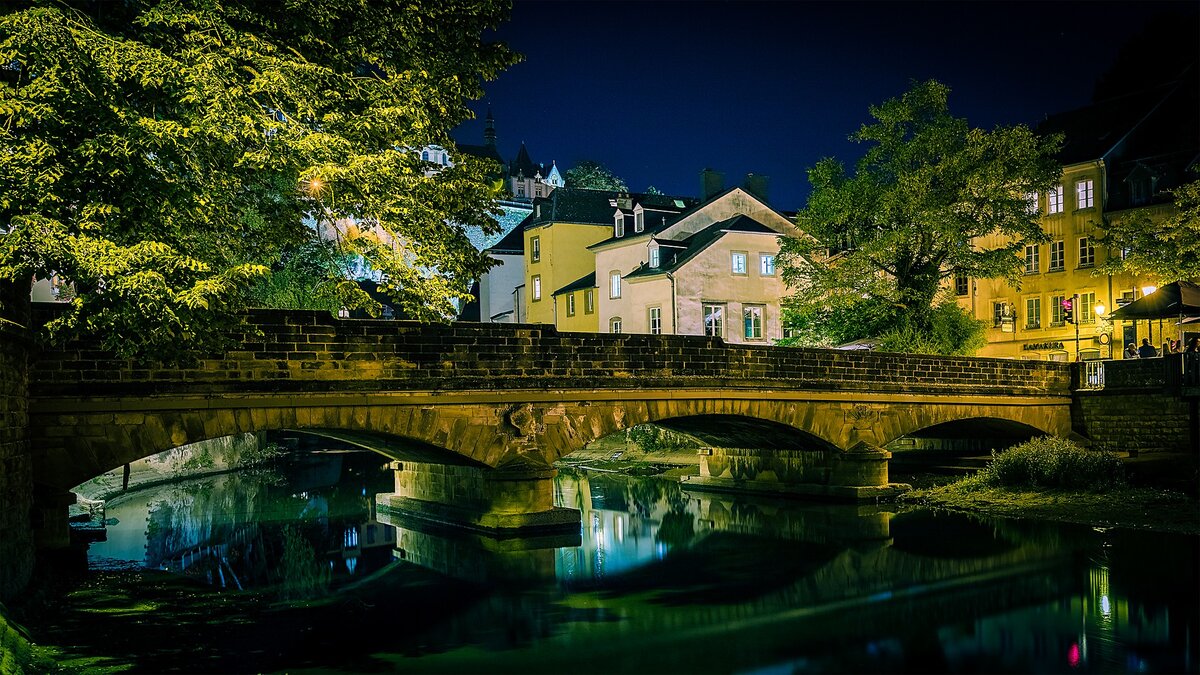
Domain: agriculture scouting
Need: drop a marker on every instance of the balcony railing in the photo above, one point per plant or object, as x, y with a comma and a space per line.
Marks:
1093, 375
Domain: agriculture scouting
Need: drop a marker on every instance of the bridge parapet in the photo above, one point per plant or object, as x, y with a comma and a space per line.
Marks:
297, 351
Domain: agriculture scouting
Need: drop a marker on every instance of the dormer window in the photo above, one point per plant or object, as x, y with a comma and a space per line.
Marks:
639, 221
654, 259
619, 225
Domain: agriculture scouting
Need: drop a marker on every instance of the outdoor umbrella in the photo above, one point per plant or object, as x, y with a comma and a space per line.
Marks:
1175, 300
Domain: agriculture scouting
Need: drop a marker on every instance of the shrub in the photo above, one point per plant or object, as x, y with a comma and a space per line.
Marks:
1050, 462
652, 438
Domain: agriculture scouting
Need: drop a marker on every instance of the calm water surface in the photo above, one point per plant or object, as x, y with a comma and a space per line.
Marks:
306, 578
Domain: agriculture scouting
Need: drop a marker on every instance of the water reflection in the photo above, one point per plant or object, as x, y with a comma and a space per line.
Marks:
667, 580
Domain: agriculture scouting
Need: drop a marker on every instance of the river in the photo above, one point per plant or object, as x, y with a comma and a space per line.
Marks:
288, 570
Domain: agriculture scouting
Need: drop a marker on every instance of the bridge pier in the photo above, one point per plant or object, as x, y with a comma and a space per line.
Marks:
857, 474
515, 500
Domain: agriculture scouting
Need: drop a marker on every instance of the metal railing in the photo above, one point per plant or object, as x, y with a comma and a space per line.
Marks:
1093, 375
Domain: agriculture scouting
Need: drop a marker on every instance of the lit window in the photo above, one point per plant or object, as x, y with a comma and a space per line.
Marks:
1033, 312
537, 287
656, 320
570, 304
962, 285
766, 264
1087, 312
614, 324
1033, 259
753, 316
654, 257
1083, 194
589, 301
1058, 255
614, 284
619, 226
639, 221
739, 262
1056, 311
714, 320
535, 249
1087, 254
1031, 203
1054, 200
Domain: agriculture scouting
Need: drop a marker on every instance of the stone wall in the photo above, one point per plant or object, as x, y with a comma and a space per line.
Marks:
1140, 409
311, 351
16, 477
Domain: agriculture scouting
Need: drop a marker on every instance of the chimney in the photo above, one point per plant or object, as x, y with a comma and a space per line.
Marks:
711, 183
756, 185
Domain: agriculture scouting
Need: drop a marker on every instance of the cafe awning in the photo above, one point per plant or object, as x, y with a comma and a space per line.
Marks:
1178, 299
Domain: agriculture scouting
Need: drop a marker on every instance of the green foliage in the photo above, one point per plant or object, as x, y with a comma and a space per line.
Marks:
313, 275
299, 573
163, 156
836, 323
951, 332
930, 198
1050, 462
1166, 249
593, 176
653, 438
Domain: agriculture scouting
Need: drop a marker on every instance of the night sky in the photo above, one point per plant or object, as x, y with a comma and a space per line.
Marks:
659, 91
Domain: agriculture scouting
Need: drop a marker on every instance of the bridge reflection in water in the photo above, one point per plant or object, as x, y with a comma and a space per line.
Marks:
665, 579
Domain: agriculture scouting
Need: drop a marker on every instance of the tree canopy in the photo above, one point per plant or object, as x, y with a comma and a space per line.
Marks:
1166, 249
593, 176
163, 156
931, 198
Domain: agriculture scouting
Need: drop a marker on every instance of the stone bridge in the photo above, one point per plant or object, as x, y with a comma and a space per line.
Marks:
476, 414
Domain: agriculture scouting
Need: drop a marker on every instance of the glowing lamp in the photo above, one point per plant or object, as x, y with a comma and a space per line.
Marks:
1099, 310
1147, 290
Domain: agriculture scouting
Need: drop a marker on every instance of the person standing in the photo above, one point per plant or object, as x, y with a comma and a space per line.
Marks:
1147, 350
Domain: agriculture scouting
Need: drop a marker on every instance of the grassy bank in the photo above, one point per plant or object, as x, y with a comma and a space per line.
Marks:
1054, 479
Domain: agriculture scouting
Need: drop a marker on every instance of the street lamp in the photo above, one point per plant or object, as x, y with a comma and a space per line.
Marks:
1100, 315
1147, 290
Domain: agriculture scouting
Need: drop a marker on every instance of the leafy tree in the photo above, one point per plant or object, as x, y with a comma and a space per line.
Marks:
1167, 249
651, 190
931, 197
161, 155
593, 176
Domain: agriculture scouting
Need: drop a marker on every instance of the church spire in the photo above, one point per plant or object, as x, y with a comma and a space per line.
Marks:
489, 129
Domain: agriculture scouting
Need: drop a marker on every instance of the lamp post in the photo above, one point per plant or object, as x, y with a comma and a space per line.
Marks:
1100, 317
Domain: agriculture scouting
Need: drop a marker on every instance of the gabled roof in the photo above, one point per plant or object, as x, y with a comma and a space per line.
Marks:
1096, 131
700, 241
523, 165
593, 207
584, 282
653, 221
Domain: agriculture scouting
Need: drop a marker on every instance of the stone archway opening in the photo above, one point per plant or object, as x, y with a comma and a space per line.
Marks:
963, 445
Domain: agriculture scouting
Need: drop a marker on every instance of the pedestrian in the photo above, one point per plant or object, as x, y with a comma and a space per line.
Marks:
1193, 346
1131, 351
1147, 350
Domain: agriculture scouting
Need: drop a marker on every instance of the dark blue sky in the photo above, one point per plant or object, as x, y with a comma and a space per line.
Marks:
659, 91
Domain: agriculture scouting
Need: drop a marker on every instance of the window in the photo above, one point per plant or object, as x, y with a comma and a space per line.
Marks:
752, 316
999, 313
1033, 312
570, 304
520, 189
1086, 312
1054, 200
714, 320
738, 264
1031, 203
1056, 311
614, 284
962, 285
1058, 255
766, 264
537, 287
654, 256
619, 226
614, 324
535, 249
639, 221
1033, 259
656, 320
425, 155
1087, 254
1083, 194
589, 301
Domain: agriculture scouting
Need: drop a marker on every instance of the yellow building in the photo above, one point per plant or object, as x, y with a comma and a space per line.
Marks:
1121, 157
557, 260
